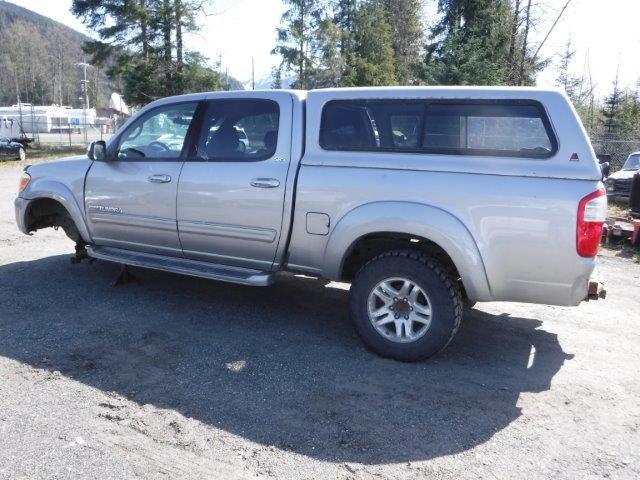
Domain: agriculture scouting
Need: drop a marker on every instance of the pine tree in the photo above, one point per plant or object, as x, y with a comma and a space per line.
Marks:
611, 108
329, 62
299, 24
345, 19
407, 37
629, 118
372, 62
138, 38
276, 73
570, 83
471, 44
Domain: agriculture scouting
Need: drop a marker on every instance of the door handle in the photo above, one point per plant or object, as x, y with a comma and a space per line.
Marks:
265, 183
159, 178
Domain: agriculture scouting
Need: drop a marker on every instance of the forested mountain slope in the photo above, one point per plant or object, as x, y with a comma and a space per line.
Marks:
38, 58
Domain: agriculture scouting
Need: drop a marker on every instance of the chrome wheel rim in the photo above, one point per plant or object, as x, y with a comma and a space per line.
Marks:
399, 309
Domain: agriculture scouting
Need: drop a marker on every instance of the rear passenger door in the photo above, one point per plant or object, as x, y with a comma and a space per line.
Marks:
232, 187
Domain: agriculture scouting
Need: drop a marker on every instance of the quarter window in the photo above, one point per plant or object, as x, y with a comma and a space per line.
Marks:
498, 128
239, 130
160, 133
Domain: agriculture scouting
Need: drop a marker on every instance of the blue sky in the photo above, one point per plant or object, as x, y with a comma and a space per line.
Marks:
602, 32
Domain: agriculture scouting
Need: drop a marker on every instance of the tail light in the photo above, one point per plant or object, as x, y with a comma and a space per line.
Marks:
592, 211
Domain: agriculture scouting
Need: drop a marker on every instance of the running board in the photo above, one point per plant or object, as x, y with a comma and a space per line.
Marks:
193, 268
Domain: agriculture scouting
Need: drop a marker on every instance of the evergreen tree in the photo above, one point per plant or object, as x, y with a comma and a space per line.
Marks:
372, 62
564, 79
629, 117
138, 38
576, 88
276, 73
471, 44
294, 38
329, 62
611, 108
345, 19
407, 37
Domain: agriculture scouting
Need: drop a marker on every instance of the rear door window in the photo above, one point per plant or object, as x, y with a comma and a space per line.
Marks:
238, 130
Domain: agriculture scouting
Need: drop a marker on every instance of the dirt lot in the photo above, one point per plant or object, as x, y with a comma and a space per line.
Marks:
182, 378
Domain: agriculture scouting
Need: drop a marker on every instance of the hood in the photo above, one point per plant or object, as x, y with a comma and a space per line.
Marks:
66, 174
59, 163
622, 174
66, 169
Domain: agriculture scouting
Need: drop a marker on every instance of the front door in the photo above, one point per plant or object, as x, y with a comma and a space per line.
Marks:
130, 199
232, 186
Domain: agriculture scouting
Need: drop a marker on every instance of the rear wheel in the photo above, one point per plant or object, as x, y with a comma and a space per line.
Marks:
405, 306
22, 155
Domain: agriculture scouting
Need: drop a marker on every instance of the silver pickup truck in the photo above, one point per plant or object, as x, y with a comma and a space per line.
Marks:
422, 198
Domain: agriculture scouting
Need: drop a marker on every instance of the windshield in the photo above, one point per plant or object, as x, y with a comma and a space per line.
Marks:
632, 163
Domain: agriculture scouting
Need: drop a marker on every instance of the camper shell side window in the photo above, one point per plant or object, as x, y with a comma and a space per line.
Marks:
511, 128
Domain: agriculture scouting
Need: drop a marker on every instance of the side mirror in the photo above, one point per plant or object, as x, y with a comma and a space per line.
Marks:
97, 151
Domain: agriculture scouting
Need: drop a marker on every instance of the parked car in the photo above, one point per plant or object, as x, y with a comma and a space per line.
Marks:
422, 198
11, 149
618, 184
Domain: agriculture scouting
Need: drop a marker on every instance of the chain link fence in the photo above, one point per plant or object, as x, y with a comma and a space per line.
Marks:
56, 132
78, 136
618, 148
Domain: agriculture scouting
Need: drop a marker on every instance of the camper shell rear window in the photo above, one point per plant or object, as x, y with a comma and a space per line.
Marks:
505, 128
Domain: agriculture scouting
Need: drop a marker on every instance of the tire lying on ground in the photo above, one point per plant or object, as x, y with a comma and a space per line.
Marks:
405, 306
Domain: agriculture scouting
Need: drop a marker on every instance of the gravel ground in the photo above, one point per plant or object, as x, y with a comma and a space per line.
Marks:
176, 377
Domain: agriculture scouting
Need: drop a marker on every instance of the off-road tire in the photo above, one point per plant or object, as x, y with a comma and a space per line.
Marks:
444, 294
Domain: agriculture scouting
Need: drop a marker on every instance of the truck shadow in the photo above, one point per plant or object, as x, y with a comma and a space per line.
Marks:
279, 365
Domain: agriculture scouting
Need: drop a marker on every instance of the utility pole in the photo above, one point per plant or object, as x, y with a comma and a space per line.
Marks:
84, 83
253, 74
85, 90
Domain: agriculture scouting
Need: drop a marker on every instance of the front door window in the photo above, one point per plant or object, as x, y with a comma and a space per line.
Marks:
159, 134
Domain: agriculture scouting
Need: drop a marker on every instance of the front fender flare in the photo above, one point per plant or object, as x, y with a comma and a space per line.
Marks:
61, 193
410, 218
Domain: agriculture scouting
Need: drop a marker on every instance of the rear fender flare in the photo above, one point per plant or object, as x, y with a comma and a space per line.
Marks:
409, 218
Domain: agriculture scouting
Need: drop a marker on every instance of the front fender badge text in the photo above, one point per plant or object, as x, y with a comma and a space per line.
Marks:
104, 209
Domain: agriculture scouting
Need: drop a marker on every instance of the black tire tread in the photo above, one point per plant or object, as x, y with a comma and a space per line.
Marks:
429, 262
